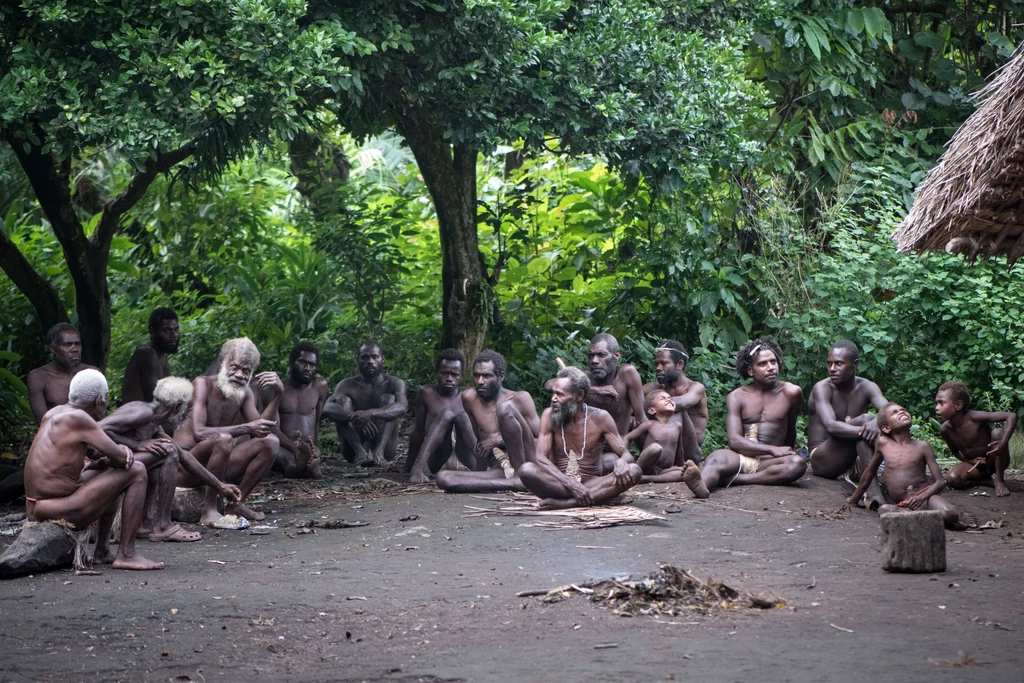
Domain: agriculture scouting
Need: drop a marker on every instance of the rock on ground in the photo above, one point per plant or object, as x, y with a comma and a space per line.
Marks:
39, 548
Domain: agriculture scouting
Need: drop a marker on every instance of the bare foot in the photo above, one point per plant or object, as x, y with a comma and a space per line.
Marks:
137, 563
418, 476
210, 517
692, 479
1001, 490
102, 556
175, 534
557, 503
314, 469
143, 532
243, 510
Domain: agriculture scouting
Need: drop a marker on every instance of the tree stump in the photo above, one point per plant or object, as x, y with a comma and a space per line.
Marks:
188, 505
39, 548
913, 541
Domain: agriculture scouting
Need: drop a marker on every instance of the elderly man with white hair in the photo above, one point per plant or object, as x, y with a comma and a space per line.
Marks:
57, 488
581, 459
213, 434
139, 425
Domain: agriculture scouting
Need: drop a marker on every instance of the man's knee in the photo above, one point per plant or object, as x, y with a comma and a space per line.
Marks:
443, 479
955, 480
138, 472
795, 466
528, 471
447, 417
507, 410
271, 444
222, 442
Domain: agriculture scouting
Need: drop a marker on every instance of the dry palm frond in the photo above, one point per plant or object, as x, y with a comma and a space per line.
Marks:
972, 202
573, 518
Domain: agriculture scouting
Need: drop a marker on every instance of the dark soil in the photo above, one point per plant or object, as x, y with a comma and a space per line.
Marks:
432, 598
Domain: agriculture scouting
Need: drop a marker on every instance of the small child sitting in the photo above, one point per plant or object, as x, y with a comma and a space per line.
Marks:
664, 457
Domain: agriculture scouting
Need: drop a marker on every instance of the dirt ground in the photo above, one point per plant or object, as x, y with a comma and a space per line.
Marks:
423, 593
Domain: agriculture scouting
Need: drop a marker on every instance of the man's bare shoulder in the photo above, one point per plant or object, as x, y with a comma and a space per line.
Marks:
41, 373
64, 416
630, 373
320, 385
395, 384
602, 416
142, 352
650, 386
522, 397
346, 385
792, 391
822, 388
867, 386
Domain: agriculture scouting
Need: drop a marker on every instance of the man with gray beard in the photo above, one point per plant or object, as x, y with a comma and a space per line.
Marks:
581, 459
212, 436
138, 425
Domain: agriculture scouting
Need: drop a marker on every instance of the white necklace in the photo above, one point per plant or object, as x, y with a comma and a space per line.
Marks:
583, 450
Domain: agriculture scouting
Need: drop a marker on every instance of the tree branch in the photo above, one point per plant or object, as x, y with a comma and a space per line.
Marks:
116, 206
40, 293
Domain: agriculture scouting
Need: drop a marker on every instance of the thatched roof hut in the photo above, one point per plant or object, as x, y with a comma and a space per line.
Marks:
972, 202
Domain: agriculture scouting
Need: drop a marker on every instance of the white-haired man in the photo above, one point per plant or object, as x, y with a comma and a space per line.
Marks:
581, 459
210, 431
56, 486
138, 425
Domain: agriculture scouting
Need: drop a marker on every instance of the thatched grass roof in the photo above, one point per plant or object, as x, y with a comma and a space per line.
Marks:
972, 202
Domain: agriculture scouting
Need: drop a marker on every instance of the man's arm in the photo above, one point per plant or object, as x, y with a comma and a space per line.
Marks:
796, 404
270, 385
396, 410
527, 409
634, 387
610, 434
821, 401
98, 440
868, 475
321, 398
419, 430
36, 394
691, 397
128, 419
333, 409
140, 386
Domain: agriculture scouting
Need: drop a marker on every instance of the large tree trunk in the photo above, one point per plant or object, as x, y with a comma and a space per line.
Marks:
450, 175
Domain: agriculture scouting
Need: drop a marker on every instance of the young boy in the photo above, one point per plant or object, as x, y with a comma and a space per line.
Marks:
905, 463
984, 451
663, 458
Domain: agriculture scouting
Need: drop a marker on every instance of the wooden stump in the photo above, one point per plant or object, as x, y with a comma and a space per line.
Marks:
913, 541
188, 505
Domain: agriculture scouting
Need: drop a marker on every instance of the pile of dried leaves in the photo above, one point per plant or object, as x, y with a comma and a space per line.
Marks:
669, 592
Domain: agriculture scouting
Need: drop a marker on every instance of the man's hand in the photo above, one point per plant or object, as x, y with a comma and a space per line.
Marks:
870, 432
260, 428
230, 492
582, 495
161, 447
916, 501
996, 446
486, 446
621, 473
97, 464
856, 500
362, 422
606, 391
781, 451
270, 380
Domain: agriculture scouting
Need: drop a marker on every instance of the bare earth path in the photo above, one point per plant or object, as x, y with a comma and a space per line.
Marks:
433, 598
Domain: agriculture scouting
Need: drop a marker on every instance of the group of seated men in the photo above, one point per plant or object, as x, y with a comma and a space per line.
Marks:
227, 428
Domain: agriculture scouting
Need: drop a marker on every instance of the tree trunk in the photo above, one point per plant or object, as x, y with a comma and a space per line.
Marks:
450, 175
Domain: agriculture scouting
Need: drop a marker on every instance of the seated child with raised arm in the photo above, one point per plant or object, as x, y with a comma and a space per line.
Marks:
663, 458
906, 462
983, 450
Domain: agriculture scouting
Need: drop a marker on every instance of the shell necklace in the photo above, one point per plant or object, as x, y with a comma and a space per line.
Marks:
583, 449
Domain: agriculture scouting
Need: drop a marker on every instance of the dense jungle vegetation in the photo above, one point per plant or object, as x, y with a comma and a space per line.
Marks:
504, 172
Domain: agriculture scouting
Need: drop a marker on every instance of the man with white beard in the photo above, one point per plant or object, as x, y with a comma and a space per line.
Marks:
581, 459
137, 424
212, 436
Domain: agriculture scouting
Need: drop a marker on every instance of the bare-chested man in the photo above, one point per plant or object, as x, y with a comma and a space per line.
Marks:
614, 387
137, 425
439, 416
48, 385
576, 446
367, 410
841, 433
760, 424
298, 414
56, 486
506, 426
689, 396
149, 363
211, 434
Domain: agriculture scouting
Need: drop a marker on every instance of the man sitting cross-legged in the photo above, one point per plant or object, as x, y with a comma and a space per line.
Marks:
760, 424
664, 457
367, 410
212, 436
506, 427
298, 414
576, 447
840, 432
984, 450
138, 425
57, 488
439, 416
688, 395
